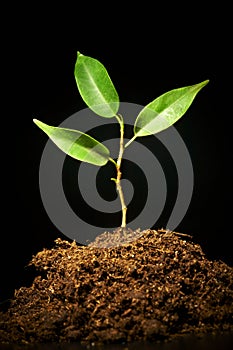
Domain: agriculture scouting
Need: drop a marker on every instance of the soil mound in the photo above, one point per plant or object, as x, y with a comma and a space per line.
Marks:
125, 286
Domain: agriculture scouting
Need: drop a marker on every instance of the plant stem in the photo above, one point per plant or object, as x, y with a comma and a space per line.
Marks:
131, 140
118, 168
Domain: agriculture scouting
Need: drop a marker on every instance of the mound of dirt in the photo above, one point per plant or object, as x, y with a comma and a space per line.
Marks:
125, 286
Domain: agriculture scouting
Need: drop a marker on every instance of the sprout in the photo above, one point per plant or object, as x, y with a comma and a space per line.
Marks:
100, 95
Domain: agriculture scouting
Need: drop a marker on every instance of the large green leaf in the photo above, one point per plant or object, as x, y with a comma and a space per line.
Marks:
165, 110
96, 87
76, 144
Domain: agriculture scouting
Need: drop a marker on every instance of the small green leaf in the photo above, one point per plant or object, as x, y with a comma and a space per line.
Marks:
165, 110
95, 86
76, 144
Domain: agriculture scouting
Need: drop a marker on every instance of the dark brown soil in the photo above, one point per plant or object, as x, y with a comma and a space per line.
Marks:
156, 285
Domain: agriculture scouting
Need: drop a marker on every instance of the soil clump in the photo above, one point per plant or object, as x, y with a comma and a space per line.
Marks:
125, 286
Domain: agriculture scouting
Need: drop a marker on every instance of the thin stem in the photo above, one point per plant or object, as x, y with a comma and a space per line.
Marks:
118, 168
113, 161
130, 141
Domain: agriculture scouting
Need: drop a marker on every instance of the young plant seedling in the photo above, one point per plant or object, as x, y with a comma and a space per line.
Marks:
99, 93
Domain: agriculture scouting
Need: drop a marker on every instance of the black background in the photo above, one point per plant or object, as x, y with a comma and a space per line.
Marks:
146, 52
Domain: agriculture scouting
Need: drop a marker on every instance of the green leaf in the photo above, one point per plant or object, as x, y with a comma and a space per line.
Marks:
165, 110
96, 87
76, 144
